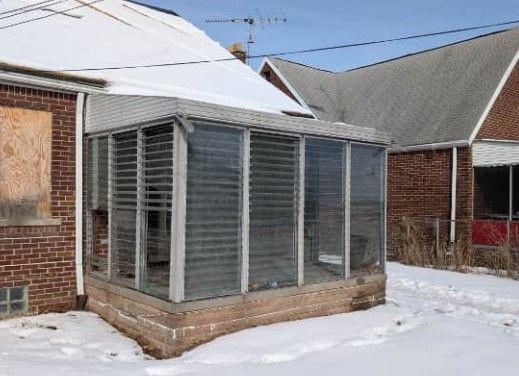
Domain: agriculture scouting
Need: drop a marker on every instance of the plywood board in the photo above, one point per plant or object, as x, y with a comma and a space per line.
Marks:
25, 163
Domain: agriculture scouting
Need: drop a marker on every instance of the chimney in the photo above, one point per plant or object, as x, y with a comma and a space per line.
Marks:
237, 50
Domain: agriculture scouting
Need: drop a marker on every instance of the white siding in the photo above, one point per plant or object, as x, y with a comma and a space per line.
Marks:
492, 153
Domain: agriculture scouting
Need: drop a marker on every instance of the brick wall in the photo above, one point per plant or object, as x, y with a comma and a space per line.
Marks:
502, 122
419, 185
42, 257
165, 329
268, 73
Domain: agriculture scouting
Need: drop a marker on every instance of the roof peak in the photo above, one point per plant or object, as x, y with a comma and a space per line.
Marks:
430, 49
397, 57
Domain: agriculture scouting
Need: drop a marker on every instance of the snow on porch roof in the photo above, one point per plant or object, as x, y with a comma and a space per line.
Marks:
121, 33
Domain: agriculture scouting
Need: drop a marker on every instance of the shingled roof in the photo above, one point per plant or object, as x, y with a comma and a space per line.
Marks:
429, 97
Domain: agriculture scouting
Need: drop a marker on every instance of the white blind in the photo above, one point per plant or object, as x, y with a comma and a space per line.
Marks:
124, 207
157, 169
213, 217
274, 175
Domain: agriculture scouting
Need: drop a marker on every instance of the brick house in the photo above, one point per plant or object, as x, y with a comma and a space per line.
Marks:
203, 212
453, 115
38, 189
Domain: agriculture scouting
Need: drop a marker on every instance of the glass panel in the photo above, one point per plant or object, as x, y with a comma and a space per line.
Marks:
491, 192
515, 198
17, 307
367, 208
324, 211
214, 212
3, 308
124, 204
274, 175
158, 191
98, 203
3, 296
17, 293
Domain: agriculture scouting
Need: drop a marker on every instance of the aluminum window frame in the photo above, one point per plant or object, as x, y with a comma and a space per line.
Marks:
179, 195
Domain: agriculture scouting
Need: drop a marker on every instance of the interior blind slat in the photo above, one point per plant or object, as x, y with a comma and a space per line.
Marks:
274, 167
213, 212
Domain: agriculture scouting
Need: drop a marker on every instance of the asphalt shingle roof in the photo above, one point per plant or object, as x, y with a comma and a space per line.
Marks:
433, 96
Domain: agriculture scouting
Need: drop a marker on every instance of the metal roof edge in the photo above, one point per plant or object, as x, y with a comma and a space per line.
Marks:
37, 82
425, 147
493, 99
285, 82
106, 112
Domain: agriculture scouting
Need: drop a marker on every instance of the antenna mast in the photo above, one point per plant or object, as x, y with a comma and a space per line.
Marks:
251, 22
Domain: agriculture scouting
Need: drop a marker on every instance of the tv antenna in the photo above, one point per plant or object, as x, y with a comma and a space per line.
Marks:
251, 22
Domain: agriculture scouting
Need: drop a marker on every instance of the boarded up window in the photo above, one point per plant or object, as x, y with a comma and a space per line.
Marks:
25, 153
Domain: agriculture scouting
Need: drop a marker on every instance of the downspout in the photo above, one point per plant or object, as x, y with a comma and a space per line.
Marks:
80, 105
452, 237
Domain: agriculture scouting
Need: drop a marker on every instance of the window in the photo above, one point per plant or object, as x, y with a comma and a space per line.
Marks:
124, 208
367, 207
97, 175
274, 176
491, 192
324, 211
13, 300
25, 160
213, 212
156, 206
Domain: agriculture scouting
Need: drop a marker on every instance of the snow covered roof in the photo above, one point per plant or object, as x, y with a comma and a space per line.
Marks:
106, 33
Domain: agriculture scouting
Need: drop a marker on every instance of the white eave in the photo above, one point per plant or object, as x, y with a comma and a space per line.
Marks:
33, 81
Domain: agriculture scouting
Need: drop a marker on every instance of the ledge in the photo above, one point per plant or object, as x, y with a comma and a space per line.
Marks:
171, 307
30, 222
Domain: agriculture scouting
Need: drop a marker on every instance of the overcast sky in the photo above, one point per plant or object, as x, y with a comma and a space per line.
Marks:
313, 23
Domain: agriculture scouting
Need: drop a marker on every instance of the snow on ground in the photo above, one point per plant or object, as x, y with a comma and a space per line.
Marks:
435, 323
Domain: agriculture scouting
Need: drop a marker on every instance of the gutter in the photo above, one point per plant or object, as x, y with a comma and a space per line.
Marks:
435, 146
45, 83
80, 107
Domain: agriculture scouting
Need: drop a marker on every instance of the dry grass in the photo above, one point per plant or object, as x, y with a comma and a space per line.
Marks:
425, 242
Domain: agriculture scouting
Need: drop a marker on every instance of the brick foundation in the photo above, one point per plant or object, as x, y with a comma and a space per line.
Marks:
43, 257
165, 329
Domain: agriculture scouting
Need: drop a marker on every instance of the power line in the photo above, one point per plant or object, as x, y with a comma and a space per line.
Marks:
32, 8
49, 15
25, 7
295, 52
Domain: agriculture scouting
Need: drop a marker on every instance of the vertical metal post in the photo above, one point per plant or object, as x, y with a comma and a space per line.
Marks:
453, 194
347, 207
110, 200
245, 212
140, 222
384, 210
178, 217
301, 215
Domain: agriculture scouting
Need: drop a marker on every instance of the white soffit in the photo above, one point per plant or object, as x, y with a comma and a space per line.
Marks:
495, 153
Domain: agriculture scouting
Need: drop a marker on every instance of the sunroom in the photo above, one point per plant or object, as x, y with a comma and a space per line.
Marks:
189, 201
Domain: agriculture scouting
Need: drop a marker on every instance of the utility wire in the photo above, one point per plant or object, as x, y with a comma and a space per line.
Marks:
295, 52
17, 12
25, 7
275, 54
49, 15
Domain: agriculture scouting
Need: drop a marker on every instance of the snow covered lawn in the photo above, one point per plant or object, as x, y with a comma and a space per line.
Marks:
435, 323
